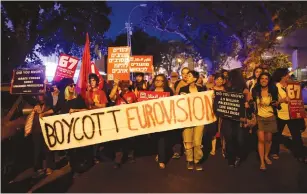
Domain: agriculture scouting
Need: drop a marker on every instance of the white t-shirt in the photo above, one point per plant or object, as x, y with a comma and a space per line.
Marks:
283, 113
264, 108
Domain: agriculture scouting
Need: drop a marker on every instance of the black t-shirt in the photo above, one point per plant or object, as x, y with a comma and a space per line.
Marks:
77, 103
186, 89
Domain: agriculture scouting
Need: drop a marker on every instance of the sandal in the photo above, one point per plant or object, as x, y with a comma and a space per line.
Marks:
161, 165
268, 161
262, 168
176, 156
275, 156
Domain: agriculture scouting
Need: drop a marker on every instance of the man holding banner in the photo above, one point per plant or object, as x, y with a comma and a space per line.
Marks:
95, 98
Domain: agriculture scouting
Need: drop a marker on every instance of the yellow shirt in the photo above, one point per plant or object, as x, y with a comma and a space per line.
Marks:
264, 108
283, 113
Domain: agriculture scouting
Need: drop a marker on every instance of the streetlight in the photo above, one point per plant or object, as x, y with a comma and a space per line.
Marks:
128, 26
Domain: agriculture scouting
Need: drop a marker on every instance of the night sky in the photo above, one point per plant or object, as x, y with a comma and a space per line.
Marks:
120, 13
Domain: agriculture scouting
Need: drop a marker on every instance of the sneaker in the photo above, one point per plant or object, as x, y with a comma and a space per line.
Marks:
176, 156
198, 167
131, 159
116, 165
190, 166
237, 162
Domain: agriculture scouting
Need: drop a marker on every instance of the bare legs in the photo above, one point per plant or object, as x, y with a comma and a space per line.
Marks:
264, 147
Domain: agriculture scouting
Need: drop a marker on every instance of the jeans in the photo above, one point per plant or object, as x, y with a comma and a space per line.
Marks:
295, 126
234, 136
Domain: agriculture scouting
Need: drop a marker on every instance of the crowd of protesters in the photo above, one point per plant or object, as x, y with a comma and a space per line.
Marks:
266, 108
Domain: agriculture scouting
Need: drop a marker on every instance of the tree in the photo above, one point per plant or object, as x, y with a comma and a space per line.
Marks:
231, 28
54, 26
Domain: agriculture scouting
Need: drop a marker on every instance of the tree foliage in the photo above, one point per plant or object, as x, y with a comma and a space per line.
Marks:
228, 28
54, 26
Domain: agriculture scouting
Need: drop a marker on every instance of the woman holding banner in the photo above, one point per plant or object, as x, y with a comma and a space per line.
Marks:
265, 95
192, 136
160, 84
296, 126
122, 94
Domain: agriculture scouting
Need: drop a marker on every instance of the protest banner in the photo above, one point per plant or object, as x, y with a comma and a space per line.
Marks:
118, 63
296, 103
66, 67
150, 95
28, 81
229, 105
113, 123
142, 63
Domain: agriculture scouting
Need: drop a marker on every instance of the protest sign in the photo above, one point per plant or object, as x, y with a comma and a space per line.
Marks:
118, 63
66, 67
106, 124
28, 81
296, 103
142, 64
229, 105
150, 95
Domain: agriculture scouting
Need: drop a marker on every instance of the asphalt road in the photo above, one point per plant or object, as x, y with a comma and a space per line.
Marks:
284, 175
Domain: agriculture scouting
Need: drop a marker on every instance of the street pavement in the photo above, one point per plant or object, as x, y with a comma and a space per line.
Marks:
284, 175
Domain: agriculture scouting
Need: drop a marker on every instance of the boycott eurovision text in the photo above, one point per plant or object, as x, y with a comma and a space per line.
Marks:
106, 124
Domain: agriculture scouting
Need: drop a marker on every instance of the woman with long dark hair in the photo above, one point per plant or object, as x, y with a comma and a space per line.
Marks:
231, 129
254, 79
265, 95
281, 77
160, 84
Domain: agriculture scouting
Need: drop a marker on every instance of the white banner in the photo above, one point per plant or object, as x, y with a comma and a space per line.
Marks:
106, 124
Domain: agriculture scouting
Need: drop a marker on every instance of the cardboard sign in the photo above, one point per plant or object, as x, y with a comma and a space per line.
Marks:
229, 105
28, 81
90, 127
142, 64
66, 67
296, 104
150, 95
118, 63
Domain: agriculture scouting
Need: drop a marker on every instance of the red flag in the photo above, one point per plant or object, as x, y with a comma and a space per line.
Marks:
85, 70
95, 70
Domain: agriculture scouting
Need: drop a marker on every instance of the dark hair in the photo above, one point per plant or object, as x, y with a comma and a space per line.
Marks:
218, 75
184, 69
254, 72
236, 80
279, 74
272, 89
139, 74
93, 76
165, 82
195, 74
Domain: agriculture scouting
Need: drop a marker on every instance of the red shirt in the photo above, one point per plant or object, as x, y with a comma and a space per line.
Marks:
129, 96
98, 96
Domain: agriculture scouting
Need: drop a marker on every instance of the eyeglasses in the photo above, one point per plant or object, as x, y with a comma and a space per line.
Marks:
72, 85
